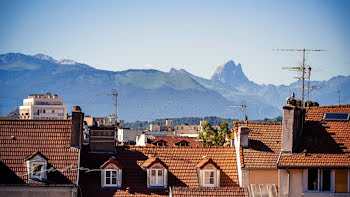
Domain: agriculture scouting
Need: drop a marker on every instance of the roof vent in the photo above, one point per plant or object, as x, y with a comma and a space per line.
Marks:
13, 137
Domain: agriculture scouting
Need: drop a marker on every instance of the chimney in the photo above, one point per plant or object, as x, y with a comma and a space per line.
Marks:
77, 127
292, 125
243, 133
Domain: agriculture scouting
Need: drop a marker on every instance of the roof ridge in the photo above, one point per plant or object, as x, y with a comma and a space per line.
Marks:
256, 123
331, 106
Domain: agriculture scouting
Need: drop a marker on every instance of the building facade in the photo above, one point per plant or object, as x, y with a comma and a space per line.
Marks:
43, 106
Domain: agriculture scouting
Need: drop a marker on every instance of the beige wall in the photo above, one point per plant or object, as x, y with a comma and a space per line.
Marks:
295, 185
263, 177
38, 191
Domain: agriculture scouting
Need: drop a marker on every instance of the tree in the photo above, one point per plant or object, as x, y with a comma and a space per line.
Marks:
215, 136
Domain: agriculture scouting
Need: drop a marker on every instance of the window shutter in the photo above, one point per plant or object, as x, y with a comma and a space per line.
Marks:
218, 178
119, 178
102, 177
148, 177
165, 178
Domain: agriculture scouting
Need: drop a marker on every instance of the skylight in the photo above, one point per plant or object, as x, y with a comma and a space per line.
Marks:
336, 116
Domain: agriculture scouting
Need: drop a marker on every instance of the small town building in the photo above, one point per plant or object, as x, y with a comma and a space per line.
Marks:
43, 106
40, 157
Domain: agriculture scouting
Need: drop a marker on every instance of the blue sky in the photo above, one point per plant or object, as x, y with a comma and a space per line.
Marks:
194, 35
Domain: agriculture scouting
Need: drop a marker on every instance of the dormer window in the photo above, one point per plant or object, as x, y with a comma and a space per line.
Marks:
36, 167
182, 143
157, 173
208, 173
111, 174
160, 143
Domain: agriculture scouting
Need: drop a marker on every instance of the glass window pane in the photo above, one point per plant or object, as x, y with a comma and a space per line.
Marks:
326, 180
211, 180
153, 172
108, 173
341, 181
160, 177
108, 180
37, 168
153, 179
114, 177
312, 179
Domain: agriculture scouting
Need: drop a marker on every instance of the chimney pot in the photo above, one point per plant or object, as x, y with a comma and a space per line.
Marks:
77, 109
243, 133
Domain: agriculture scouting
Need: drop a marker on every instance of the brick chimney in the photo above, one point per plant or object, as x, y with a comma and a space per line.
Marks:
243, 133
77, 127
292, 125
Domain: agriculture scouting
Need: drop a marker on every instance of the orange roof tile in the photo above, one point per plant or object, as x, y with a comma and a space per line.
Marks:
264, 144
19, 139
205, 191
323, 143
181, 162
172, 141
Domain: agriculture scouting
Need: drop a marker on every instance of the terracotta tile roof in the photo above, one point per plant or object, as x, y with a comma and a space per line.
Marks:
264, 144
323, 143
181, 162
316, 113
19, 139
216, 192
172, 141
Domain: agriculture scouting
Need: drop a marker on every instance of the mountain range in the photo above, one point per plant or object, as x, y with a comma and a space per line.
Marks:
151, 94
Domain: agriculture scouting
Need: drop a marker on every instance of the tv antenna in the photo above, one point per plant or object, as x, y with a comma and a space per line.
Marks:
244, 109
338, 92
115, 94
301, 68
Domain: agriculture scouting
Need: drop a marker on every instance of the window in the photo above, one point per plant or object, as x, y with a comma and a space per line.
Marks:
156, 178
336, 116
111, 174
110, 178
208, 172
36, 167
157, 173
37, 171
319, 180
209, 177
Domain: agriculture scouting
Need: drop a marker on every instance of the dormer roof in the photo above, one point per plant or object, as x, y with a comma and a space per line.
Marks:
111, 161
205, 161
153, 160
31, 156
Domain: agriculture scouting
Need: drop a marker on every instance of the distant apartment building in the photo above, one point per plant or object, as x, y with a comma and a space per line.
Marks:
184, 129
43, 106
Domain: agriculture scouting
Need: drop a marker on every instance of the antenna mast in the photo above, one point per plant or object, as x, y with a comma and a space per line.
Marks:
244, 109
302, 69
115, 94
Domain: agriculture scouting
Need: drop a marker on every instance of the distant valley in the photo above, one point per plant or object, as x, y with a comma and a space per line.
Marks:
151, 94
